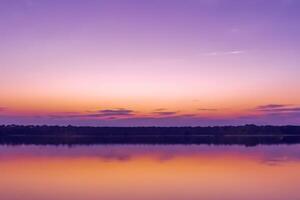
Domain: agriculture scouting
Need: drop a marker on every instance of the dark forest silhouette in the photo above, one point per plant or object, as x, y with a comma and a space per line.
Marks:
249, 135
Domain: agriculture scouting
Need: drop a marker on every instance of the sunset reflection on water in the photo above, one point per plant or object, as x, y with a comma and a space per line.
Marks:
177, 172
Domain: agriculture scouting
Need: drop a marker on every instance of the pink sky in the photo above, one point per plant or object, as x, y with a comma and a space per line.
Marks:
166, 63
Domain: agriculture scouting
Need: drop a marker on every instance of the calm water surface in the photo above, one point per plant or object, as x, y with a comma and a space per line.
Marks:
141, 172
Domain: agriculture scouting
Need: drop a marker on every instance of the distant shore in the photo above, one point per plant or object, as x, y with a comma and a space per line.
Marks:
249, 135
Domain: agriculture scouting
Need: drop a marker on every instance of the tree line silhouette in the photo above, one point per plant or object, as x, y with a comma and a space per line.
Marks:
247, 135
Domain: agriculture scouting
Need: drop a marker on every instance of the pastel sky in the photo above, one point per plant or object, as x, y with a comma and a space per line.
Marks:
149, 62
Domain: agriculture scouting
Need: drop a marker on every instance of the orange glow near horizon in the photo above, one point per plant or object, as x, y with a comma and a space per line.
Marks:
47, 104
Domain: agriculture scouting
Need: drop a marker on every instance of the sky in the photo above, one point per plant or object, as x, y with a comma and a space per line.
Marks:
149, 62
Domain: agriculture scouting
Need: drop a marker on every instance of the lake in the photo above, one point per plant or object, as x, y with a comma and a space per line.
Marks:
150, 172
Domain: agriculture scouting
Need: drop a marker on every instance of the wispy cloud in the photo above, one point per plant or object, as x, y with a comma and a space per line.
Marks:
116, 112
221, 53
277, 108
207, 109
111, 113
270, 106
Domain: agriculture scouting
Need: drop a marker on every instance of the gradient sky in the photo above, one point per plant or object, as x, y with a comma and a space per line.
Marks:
154, 62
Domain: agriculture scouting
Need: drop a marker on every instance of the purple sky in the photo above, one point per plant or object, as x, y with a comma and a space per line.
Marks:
156, 62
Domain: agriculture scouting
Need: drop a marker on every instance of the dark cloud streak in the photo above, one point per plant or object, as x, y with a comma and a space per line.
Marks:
277, 108
111, 113
165, 113
115, 112
271, 106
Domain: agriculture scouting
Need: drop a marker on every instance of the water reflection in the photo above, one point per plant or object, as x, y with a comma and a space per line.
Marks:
145, 172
